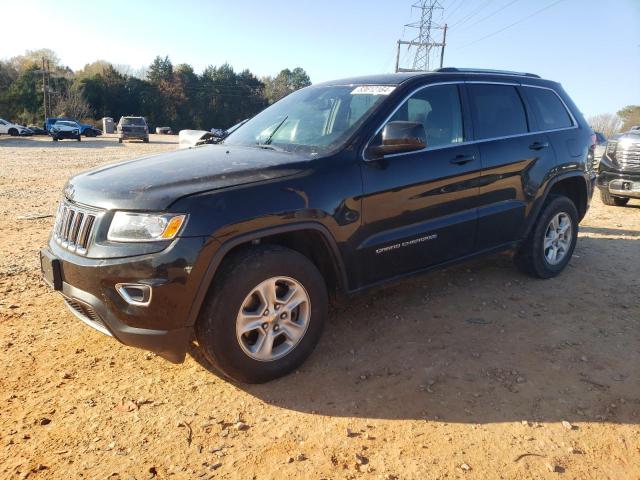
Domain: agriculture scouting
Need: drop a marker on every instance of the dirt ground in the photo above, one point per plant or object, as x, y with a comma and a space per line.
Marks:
474, 372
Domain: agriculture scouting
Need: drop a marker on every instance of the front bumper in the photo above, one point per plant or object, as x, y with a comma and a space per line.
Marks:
133, 135
88, 288
620, 184
67, 135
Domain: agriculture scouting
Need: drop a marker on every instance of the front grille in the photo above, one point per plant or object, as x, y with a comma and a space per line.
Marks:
628, 155
73, 227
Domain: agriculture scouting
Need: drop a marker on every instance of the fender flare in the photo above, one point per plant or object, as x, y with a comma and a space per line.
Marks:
538, 203
227, 246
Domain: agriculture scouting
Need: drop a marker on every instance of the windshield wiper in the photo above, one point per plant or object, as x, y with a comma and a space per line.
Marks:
270, 138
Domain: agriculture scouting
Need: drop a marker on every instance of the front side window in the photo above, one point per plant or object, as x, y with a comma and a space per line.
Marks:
548, 109
438, 109
497, 111
313, 121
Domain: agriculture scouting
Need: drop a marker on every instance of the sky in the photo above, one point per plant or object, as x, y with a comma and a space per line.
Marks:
591, 47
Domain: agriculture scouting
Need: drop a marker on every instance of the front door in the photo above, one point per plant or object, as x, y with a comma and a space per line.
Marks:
419, 208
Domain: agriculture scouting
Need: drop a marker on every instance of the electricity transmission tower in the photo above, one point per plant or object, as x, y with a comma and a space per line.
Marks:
425, 40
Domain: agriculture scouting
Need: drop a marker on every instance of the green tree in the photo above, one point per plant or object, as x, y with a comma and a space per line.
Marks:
630, 116
284, 83
160, 69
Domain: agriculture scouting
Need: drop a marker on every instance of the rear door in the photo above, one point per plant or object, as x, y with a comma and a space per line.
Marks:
419, 208
509, 149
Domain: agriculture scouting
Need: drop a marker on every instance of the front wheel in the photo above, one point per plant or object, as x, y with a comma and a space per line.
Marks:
264, 314
549, 247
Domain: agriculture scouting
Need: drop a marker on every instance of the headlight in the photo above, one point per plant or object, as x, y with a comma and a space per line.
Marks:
144, 227
75, 132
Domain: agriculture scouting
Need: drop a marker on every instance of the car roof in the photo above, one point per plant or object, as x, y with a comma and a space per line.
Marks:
442, 74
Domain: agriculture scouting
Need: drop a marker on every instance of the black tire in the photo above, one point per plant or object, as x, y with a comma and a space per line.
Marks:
79, 138
530, 257
238, 276
612, 201
119, 140
54, 139
145, 140
13, 132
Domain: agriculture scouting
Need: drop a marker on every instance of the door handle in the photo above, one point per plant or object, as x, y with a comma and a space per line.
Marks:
538, 145
462, 159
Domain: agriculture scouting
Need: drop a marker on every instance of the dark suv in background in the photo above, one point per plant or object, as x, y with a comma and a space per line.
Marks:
336, 188
132, 128
619, 169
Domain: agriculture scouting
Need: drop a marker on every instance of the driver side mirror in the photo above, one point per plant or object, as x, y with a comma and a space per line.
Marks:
399, 137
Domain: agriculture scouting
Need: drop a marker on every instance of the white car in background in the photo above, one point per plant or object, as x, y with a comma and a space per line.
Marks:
13, 129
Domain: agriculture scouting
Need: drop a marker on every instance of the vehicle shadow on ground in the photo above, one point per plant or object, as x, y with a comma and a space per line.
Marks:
44, 142
480, 343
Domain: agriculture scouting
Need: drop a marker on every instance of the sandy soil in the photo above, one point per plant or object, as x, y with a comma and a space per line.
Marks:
472, 372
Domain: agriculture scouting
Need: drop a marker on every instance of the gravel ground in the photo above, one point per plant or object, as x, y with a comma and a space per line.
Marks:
472, 372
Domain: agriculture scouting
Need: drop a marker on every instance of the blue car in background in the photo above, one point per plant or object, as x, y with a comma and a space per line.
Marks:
86, 130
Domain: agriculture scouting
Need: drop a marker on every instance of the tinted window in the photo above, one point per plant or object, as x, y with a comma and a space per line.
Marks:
497, 111
438, 110
548, 109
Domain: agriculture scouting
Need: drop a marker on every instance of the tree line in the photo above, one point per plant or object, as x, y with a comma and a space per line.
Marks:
166, 94
610, 124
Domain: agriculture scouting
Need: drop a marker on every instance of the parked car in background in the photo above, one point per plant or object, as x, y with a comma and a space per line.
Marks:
619, 169
132, 128
37, 130
65, 129
193, 138
85, 129
164, 131
13, 129
336, 188
89, 130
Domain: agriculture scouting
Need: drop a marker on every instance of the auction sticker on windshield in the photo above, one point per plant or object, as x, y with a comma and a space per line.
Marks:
372, 90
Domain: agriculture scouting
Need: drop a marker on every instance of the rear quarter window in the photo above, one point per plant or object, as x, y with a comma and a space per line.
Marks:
497, 111
548, 109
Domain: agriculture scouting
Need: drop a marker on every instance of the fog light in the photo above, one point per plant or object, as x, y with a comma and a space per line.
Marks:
135, 293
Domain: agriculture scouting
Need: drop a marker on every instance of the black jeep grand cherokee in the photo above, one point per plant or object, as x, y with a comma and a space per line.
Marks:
336, 188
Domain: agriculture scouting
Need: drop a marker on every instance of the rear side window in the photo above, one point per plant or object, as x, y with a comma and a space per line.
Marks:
497, 111
548, 109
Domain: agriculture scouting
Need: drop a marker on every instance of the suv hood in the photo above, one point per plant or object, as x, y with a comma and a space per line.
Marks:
154, 182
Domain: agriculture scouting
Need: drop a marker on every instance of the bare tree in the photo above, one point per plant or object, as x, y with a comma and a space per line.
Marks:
607, 123
72, 104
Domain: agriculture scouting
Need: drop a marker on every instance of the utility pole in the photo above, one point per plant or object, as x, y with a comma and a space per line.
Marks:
44, 88
444, 44
425, 41
49, 87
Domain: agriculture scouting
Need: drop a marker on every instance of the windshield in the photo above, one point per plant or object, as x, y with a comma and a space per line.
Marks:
132, 121
315, 120
67, 124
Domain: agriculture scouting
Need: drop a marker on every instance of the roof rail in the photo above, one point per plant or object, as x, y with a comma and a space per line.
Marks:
486, 70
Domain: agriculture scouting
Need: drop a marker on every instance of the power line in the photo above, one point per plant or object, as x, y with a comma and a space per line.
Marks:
491, 14
512, 24
472, 14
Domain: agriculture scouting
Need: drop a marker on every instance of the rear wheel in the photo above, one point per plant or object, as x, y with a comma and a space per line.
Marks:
549, 247
264, 314
611, 200
54, 139
79, 138
13, 132
145, 140
119, 140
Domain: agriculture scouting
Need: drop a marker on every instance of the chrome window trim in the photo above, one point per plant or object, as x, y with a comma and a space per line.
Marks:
468, 142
